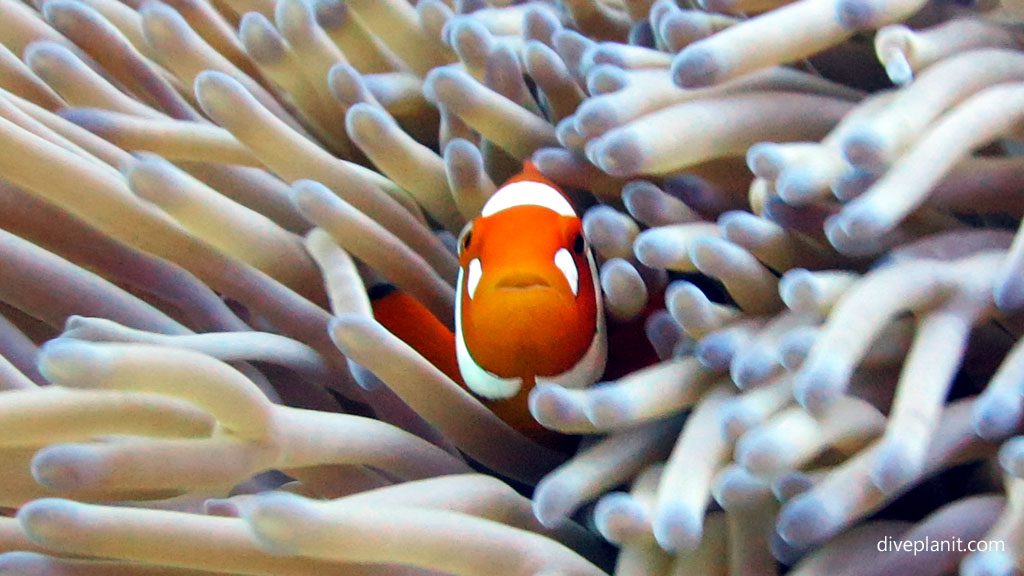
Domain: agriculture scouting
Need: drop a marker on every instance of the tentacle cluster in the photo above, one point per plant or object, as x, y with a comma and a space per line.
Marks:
195, 196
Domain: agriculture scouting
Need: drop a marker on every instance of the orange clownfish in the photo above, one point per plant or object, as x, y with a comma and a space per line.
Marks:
528, 307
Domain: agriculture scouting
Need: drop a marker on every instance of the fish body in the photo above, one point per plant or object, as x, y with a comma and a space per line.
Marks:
529, 310
528, 307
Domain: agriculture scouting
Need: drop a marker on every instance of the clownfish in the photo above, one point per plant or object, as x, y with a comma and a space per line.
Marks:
528, 308
528, 302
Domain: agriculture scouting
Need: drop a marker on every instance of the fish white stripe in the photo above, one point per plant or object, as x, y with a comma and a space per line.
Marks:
527, 193
565, 262
589, 368
476, 272
480, 381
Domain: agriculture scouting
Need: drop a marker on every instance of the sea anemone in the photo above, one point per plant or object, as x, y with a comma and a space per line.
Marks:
814, 234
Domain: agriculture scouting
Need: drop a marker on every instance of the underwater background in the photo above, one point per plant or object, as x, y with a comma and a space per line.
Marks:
229, 272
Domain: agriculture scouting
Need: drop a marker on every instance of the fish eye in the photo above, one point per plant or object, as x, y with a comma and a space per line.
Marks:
579, 244
465, 238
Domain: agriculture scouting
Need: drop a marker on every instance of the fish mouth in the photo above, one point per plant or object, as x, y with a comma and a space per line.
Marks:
523, 280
